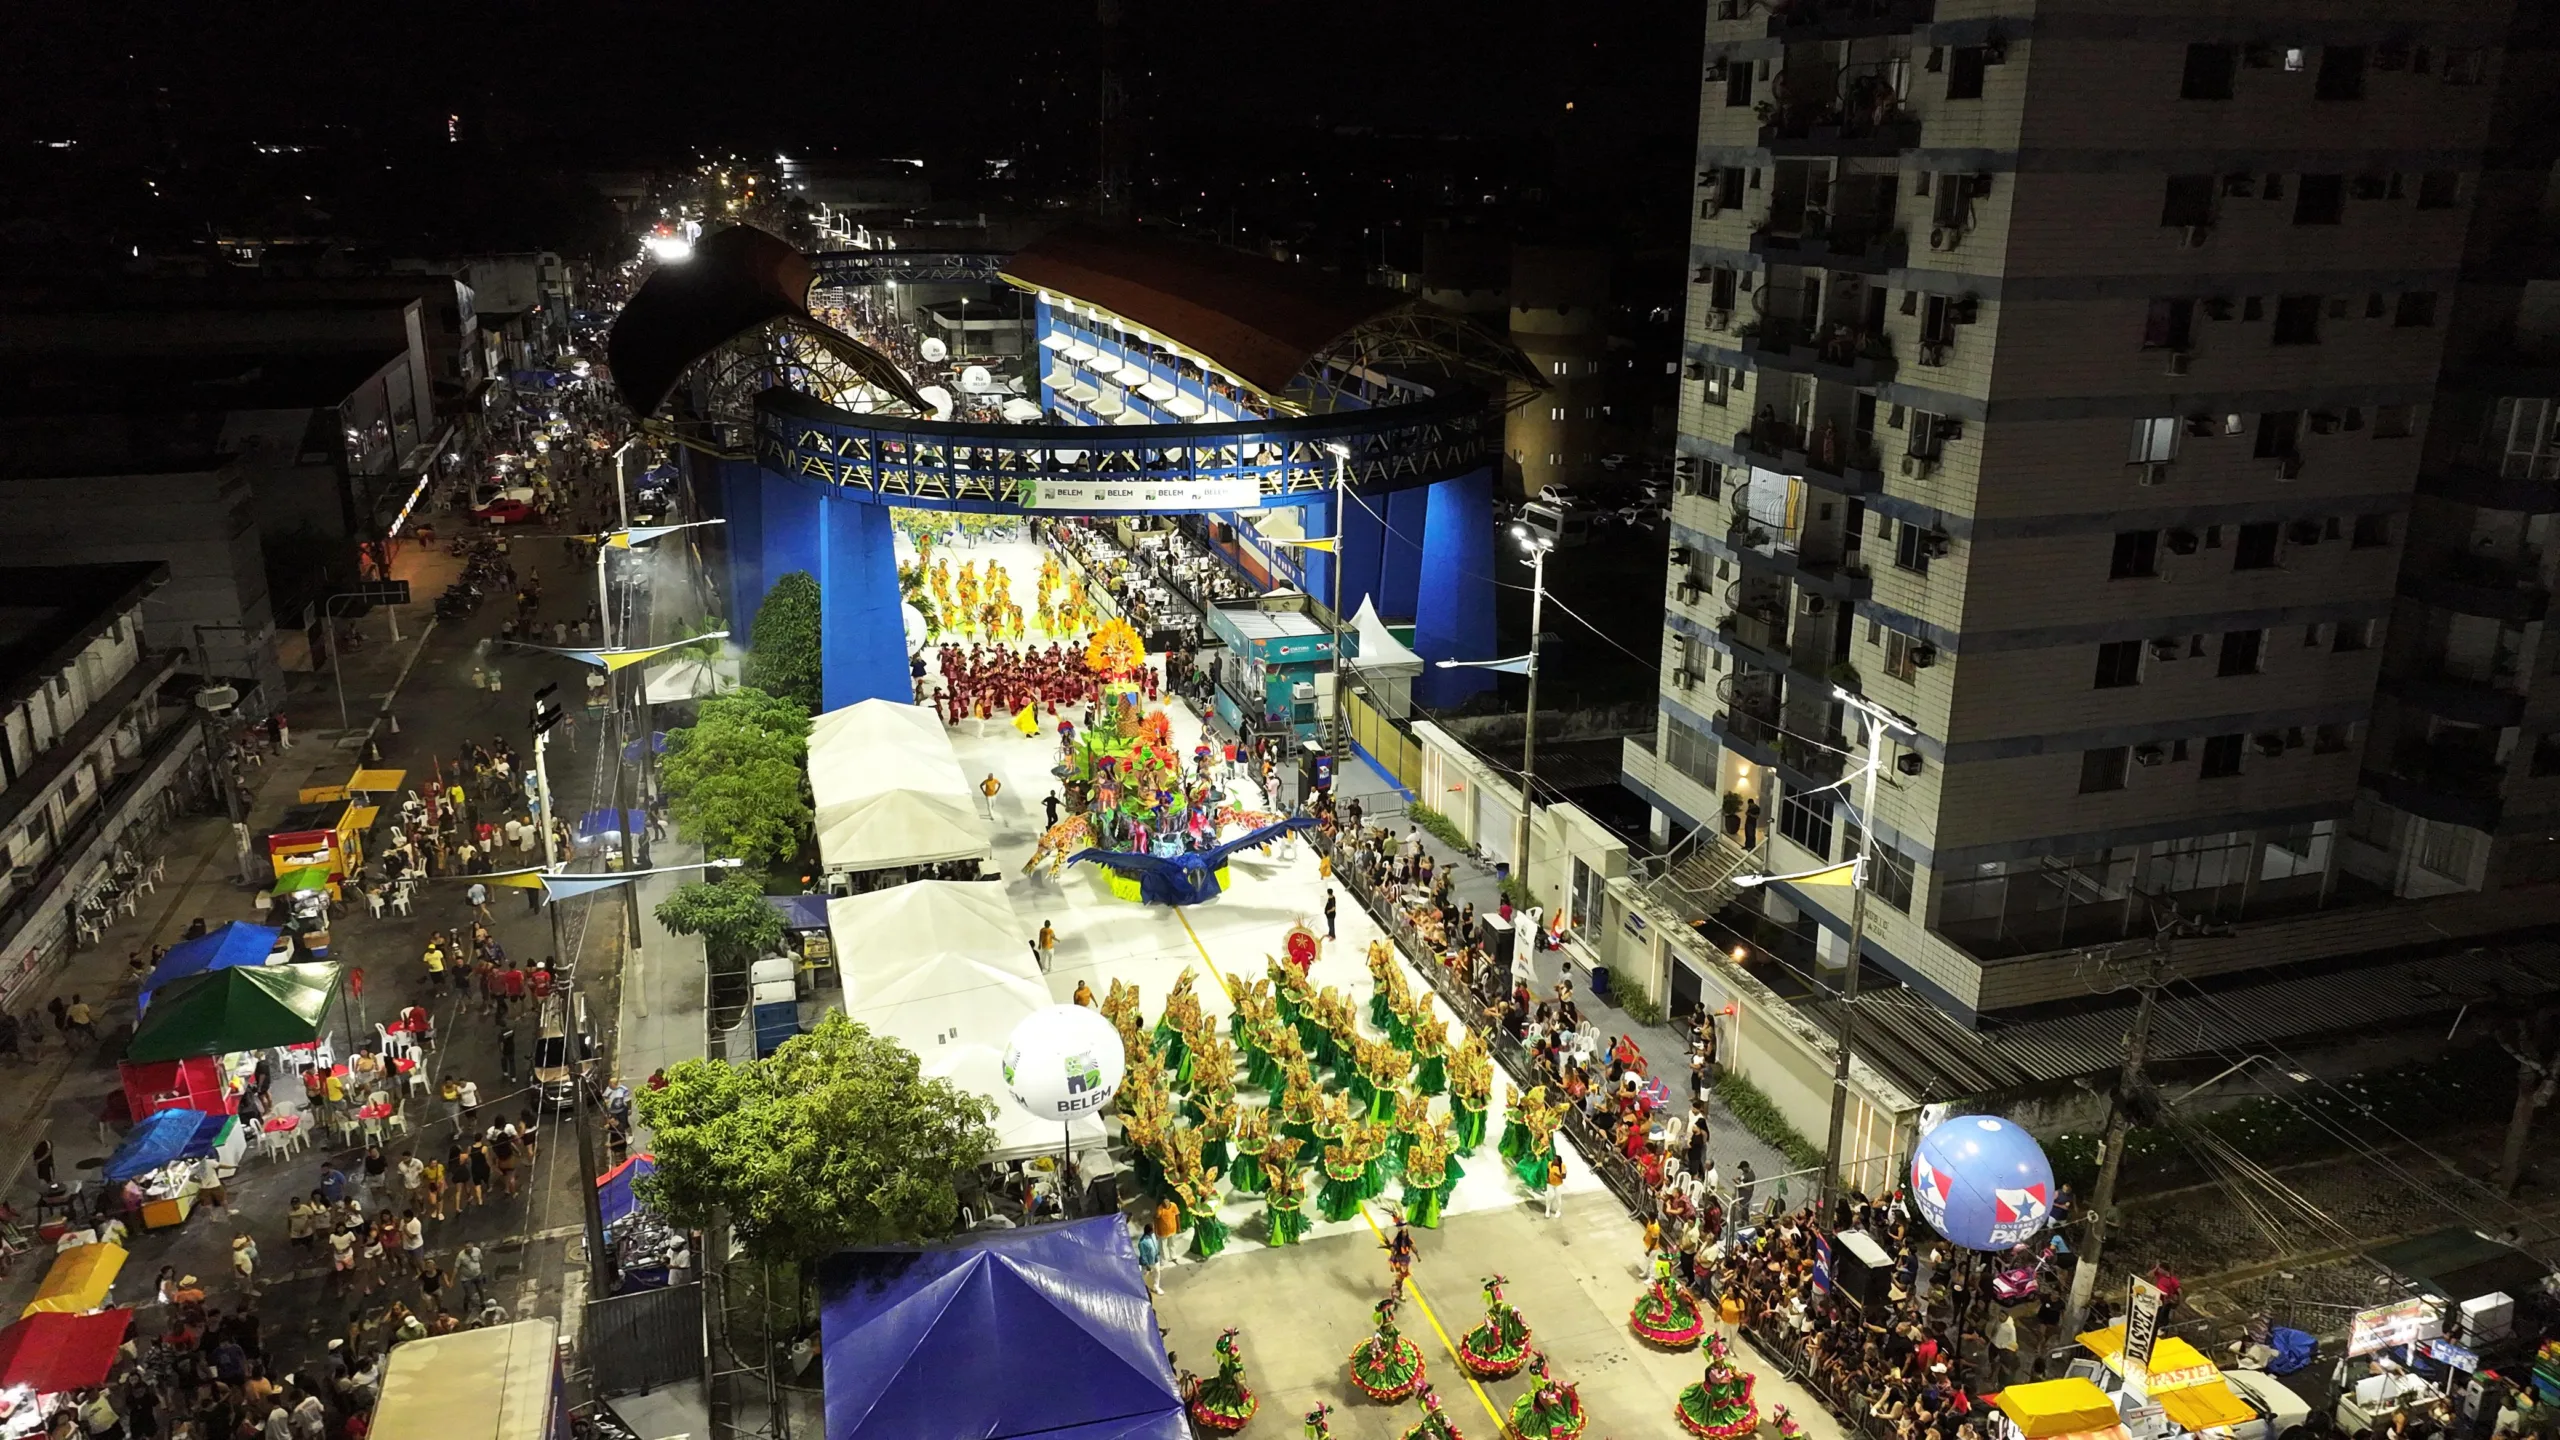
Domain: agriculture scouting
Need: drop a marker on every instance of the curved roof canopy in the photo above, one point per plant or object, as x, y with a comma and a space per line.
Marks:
1259, 319
737, 280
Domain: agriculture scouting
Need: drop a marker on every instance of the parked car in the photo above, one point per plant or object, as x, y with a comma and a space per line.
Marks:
503, 511
1567, 528
553, 1077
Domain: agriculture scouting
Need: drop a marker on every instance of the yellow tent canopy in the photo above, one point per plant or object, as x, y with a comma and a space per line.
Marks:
2175, 1364
78, 1282
2058, 1407
2201, 1407
375, 782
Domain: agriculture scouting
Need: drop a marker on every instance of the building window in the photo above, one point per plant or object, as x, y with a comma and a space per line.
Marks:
2297, 320
2328, 739
2169, 325
2189, 201
1965, 65
2242, 652
2352, 635
1693, 753
2416, 308
2221, 756
2210, 72
2119, 664
1555, 412
2254, 546
2447, 849
1888, 876
1719, 386
2137, 555
2439, 189
2465, 67
1928, 435
1806, 819
2279, 433
2373, 532
2322, 200
1557, 366
1722, 287
2103, 769
2391, 422
1897, 657
1737, 84
2341, 73
1911, 548
2154, 440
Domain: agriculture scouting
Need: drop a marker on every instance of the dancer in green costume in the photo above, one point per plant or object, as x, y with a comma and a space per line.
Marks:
1283, 1197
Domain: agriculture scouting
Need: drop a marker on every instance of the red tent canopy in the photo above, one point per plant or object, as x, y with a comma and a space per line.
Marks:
53, 1353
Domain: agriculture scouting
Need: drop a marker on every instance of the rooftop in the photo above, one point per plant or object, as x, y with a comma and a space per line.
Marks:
50, 613
95, 384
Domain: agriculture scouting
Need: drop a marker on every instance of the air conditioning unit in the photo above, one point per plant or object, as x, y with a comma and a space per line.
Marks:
1917, 465
1684, 679
1923, 656
1717, 69
2181, 361
1934, 352
2181, 542
2195, 236
1689, 594
1965, 309
1946, 237
1813, 604
2150, 754
1908, 762
1694, 370
2154, 473
2166, 650
2302, 532
1937, 544
1686, 467
2268, 743
1680, 554
1719, 319
2289, 468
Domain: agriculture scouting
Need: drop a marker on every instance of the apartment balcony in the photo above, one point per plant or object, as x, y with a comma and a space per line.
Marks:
2459, 698
1844, 354
2439, 780
1866, 247
1844, 19
2478, 585
1876, 130
1760, 628
1822, 573
1843, 466
2474, 477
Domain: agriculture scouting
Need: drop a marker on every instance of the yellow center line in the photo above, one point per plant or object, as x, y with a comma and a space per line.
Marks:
1501, 1422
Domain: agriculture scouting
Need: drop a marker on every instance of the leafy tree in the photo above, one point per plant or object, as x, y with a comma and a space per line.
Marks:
735, 779
835, 1140
729, 913
784, 658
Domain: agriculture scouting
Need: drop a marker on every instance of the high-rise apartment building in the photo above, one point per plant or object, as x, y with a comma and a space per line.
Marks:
2061, 377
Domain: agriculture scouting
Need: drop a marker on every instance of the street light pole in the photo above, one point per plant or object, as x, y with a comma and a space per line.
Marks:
599, 1260
1341, 669
1539, 548
1881, 723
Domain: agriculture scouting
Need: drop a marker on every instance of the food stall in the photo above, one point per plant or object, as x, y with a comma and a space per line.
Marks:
805, 935
2185, 1393
78, 1282
160, 1153
2052, 1409
222, 1012
326, 836
644, 1246
2175, 1364
2393, 1385
46, 1358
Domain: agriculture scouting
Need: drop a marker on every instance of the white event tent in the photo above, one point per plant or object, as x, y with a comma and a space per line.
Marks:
889, 791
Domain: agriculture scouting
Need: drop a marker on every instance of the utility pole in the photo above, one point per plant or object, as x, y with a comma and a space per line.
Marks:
546, 714
2167, 923
1539, 547
1881, 723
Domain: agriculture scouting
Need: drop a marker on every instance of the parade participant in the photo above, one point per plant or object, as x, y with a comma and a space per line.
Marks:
1665, 1315
1435, 1423
1283, 1192
1430, 1174
1470, 1093
1225, 1403
1498, 1346
1387, 1366
1400, 1256
1251, 1138
1552, 1410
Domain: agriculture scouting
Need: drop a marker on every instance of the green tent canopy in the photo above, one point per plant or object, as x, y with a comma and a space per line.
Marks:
244, 1008
306, 877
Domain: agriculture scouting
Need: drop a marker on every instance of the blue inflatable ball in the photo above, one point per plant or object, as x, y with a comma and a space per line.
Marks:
1982, 1182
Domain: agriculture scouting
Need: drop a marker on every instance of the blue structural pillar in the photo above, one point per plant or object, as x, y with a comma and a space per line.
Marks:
742, 505
1400, 561
863, 632
1363, 533
789, 516
1453, 605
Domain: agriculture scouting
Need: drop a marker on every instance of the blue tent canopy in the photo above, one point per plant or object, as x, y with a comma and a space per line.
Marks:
163, 1136
614, 1196
608, 821
221, 948
801, 912
1046, 1331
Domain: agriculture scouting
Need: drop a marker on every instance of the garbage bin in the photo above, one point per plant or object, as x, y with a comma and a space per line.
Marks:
1600, 982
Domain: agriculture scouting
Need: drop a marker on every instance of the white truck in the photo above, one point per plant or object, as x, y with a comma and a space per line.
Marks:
499, 1383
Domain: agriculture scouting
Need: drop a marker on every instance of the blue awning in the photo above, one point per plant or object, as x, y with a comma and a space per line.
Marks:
614, 1196
801, 912
221, 948
161, 1137
1046, 1331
